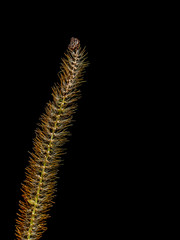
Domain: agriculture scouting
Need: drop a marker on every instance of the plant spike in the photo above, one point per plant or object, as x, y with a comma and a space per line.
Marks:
39, 186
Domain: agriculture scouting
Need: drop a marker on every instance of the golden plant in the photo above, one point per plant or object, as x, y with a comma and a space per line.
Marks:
39, 186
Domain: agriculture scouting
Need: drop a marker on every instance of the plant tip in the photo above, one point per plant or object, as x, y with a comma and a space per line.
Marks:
74, 44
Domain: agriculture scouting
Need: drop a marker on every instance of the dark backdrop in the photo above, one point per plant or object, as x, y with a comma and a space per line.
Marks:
32, 46
108, 141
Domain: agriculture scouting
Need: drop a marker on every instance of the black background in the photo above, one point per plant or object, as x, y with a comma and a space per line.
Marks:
111, 122
32, 44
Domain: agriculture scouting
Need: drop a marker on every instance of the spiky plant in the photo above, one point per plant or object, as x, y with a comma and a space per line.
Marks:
39, 186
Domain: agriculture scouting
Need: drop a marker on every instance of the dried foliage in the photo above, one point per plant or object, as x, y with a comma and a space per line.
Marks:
39, 187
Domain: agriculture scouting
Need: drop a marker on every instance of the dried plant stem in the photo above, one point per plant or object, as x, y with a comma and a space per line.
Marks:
39, 186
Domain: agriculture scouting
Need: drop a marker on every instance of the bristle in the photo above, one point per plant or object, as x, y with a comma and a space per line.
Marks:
38, 189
